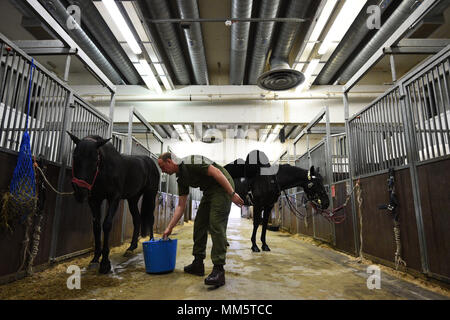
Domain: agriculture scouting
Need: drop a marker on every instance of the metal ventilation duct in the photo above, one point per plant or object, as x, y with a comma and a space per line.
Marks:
281, 76
349, 43
189, 10
264, 30
106, 39
159, 9
403, 11
58, 11
239, 39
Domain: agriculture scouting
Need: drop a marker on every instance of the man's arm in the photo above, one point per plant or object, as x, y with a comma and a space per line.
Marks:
176, 215
223, 181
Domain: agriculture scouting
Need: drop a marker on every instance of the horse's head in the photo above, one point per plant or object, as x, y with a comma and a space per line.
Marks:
86, 159
315, 190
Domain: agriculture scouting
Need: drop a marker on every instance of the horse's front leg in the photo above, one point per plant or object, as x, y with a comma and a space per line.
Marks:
95, 206
105, 264
265, 221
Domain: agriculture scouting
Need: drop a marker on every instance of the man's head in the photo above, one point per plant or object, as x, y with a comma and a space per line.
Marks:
167, 164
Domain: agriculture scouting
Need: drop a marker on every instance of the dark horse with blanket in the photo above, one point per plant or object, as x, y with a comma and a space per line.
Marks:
260, 184
99, 172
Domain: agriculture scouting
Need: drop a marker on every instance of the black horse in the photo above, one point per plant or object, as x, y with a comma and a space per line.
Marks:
100, 172
260, 184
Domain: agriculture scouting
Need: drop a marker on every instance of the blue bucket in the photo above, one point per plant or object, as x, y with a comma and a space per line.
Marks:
160, 255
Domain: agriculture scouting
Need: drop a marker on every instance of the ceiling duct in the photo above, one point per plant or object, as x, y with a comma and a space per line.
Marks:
281, 76
189, 10
159, 9
239, 39
402, 12
93, 20
59, 12
263, 38
349, 43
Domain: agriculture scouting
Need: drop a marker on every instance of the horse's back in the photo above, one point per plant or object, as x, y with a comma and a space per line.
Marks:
142, 170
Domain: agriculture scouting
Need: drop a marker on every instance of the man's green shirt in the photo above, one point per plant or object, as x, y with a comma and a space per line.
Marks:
193, 172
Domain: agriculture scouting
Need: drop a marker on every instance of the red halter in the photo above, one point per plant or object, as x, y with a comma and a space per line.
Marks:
84, 184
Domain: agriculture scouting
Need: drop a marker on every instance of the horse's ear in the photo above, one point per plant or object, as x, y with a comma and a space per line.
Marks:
73, 137
102, 142
312, 171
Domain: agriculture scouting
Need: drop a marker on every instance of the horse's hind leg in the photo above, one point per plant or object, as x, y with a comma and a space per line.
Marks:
147, 211
266, 214
256, 222
95, 206
133, 206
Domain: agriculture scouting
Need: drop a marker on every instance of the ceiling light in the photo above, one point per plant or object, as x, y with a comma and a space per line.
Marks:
342, 23
308, 73
122, 25
131, 11
165, 82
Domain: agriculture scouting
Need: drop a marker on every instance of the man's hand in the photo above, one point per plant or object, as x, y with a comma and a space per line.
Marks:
167, 233
237, 200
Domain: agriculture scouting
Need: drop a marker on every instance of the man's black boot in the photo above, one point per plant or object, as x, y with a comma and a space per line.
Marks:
217, 276
196, 267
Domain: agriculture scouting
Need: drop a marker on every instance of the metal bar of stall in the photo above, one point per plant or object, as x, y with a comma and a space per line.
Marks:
61, 179
364, 146
385, 115
401, 127
36, 114
444, 111
425, 111
432, 113
393, 127
329, 166
351, 172
41, 117
424, 133
417, 123
7, 102
411, 148
15, 103
438, 111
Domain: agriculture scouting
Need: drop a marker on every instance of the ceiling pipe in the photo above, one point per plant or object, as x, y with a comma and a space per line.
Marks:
239, 40
263, 38
59, 12
281, 76
231, 97
402, 12
349, 43
106, 39
159, 9
193, 32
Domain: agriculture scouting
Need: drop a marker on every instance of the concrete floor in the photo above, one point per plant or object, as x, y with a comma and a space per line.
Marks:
294, 269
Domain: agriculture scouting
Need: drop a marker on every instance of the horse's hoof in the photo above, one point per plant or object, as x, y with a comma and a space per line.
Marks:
255, 248
93, 266
105, 267
265, 247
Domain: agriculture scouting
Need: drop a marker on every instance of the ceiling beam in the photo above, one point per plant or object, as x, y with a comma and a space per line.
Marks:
418, 14
64, 36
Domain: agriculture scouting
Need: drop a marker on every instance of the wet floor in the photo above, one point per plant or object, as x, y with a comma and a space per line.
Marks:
293, 269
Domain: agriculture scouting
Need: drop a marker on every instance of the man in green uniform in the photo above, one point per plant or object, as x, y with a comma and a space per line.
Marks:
212, 215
